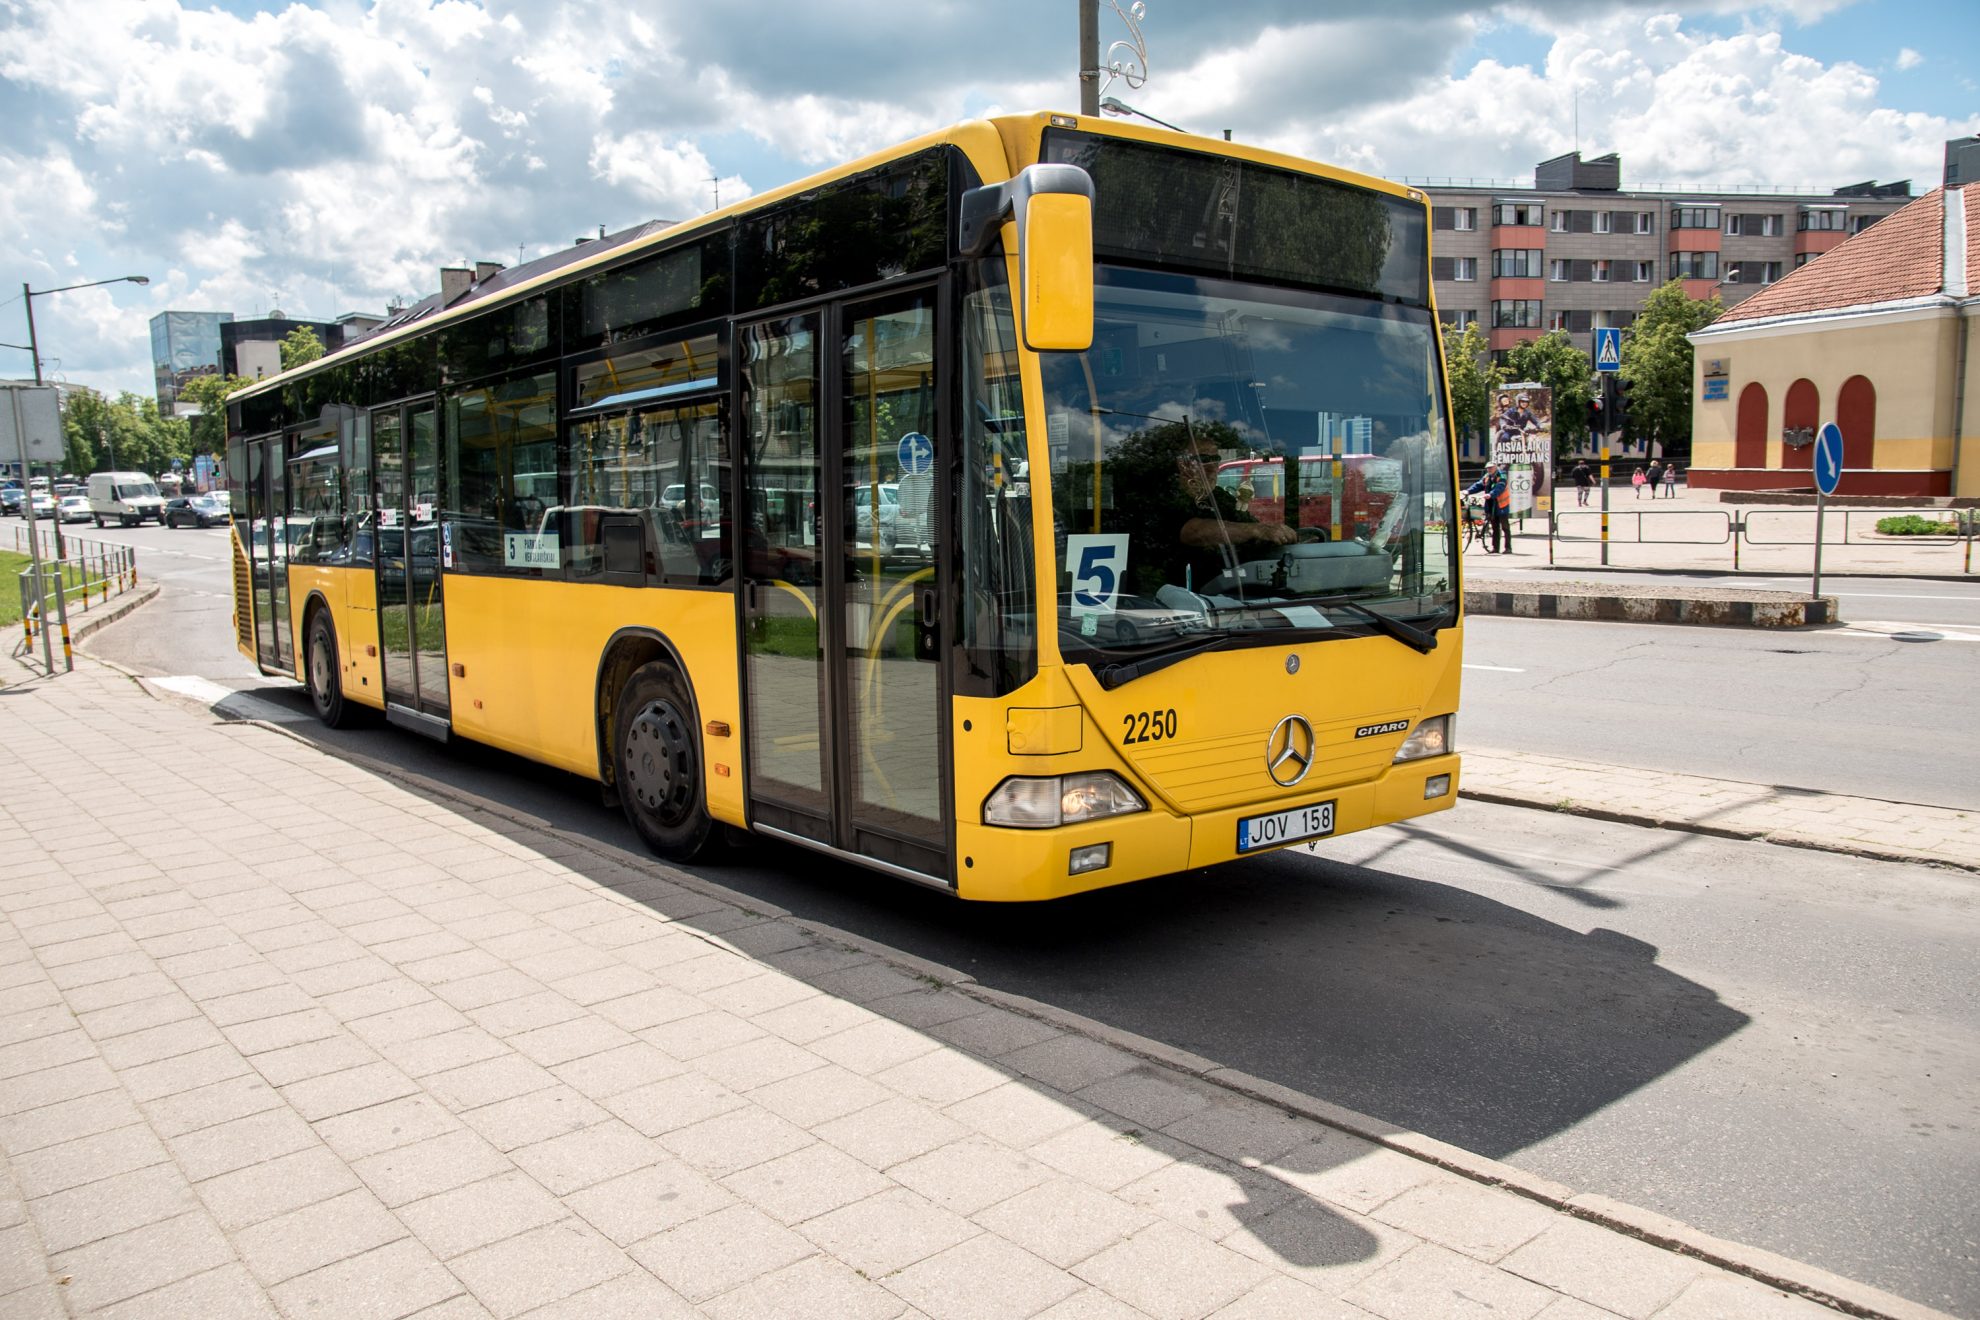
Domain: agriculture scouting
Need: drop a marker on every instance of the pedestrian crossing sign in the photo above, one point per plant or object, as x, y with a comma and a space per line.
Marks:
1608, 348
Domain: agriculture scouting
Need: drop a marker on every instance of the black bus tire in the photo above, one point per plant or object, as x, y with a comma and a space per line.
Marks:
658, 763
323, 676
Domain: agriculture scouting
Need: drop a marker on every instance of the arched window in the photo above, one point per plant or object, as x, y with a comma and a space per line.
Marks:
1750, 440
1856, 415
1800, 417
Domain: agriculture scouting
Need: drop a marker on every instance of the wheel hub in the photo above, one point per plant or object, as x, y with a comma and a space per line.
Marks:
656, 759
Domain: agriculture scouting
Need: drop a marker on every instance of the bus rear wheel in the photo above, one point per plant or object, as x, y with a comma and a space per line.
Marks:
326, 689
659, 763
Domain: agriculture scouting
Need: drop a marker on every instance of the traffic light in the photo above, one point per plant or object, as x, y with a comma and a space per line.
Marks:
1620, 420
1595, 415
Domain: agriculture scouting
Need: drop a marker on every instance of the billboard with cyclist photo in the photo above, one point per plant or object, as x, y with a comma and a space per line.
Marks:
1523, 444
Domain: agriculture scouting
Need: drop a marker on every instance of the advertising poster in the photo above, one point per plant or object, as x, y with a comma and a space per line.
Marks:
1523, 444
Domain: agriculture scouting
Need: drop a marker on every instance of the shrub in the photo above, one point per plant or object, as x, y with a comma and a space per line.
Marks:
1912, 524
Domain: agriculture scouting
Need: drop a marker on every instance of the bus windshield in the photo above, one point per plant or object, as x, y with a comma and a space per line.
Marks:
1176, 513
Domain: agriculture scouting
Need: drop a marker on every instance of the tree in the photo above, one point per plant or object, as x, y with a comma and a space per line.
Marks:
125, 434
1553, 360
300, 345
1473, 378
207, 433
1656, 366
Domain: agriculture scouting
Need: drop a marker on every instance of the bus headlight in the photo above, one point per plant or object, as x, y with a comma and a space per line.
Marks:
1432, 737
1044, 802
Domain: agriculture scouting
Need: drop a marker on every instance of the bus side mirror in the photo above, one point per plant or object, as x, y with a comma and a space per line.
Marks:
1053, 208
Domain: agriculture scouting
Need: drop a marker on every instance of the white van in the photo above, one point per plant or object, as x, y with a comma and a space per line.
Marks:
129, 497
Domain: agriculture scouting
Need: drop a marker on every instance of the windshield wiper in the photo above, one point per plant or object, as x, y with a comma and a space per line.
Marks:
1113, 676
1408, 634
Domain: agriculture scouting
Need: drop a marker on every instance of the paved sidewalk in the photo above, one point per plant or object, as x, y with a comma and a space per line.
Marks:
283, 1036
1799, 817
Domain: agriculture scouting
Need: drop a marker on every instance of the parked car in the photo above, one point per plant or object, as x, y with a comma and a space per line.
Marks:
73, 508
197, 511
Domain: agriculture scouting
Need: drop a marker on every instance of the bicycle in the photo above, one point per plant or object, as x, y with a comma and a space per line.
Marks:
1474, 524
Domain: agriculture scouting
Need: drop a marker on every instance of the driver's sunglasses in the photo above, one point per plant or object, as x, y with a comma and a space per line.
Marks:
1199, 460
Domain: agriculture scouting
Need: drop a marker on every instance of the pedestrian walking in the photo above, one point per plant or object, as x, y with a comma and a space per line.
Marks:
1584, 480
1671, 480
1636, 479
1654, 476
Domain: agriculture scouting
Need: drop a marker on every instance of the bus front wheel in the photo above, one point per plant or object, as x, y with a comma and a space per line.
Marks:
324, 677
659, 763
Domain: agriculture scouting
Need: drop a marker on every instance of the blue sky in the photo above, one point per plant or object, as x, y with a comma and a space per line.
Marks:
329, 158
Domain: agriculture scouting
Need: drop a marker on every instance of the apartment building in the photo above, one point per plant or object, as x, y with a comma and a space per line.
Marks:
1577, 250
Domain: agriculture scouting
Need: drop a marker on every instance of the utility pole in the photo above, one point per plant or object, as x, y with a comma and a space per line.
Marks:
1089, 57
61, 550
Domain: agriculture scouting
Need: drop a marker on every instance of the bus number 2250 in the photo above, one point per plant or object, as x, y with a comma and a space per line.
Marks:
1148, 726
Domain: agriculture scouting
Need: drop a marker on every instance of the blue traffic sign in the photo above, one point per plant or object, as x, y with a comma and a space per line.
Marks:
1608, 348
917, 455
1828, 458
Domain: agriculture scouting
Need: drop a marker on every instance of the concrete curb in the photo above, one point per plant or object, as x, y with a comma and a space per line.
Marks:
1813, 843
1812, 1282
1759, 609
97, 620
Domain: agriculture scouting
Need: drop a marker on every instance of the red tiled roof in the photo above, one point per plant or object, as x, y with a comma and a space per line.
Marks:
1901, 256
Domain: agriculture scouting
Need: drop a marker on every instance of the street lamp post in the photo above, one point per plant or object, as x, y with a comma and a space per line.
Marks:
28, 296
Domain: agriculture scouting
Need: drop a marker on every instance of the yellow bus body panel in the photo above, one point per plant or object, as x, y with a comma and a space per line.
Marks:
351, 594
523, 661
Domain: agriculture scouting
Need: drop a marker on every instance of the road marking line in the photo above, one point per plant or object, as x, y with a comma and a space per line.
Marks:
247, 703
1497, 669
1885, 595
1948, 632
192, 685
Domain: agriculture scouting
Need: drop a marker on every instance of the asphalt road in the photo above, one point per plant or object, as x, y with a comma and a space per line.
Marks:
1778, 1046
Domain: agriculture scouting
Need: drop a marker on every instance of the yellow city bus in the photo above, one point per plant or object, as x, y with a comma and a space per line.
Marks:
879, 513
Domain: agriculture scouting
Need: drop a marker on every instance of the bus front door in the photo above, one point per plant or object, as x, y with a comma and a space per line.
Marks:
840, 554
411, 607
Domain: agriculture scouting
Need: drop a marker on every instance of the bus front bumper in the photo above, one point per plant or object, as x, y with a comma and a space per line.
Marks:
1015, 866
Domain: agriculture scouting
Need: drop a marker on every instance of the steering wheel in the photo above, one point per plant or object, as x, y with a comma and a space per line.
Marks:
1312, 533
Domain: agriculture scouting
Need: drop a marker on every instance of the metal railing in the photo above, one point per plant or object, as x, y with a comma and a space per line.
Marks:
86, 577
1763, 528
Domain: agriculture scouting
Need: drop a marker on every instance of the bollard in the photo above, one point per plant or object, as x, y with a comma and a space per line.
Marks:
1738, 530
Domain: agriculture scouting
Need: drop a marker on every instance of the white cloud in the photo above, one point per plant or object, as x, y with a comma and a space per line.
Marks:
336, 157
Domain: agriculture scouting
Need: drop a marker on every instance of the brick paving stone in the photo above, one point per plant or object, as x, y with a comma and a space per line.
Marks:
887, 1231
1063, 1222
689, 1038
227, 1292
204, 1106
711, 1255
534, 1116
184, 1072
53, 1124
225, 1147
758, 994
251, 1005
156, 1044
673, 1102
87, 1159
316, 1235
1483, 1222
538, 1267
735, 1140
428, 1017
122, 1019
1241, 1129
636, 1205
1212, 1199
993, 1032
384, 995
613, 980
387, 1126
1354, 1174
341, 1092
1068, 1063
811, 1019
82, 1215
495, 987
812, 1289
874, 1047
805, 1183
648, 1008
1104, 1154
562, 1042
1280, 1298
1432, 1283
892, 1131
299, 1063
611, 1071
513, 1017
819, 1096
969, 1175
72, 1045
565, 1164
469, 1217
1615, 1272
985, 1278
1719, 1296
1151, 1097
442, 1053
429, 1166
1019, 1114
1319, 1244
1171, 1273
139, 1261
473, 1085
276, 1186
635, 1294
382, 1284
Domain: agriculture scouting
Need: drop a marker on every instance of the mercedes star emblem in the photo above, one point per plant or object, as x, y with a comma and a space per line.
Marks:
1289, 751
